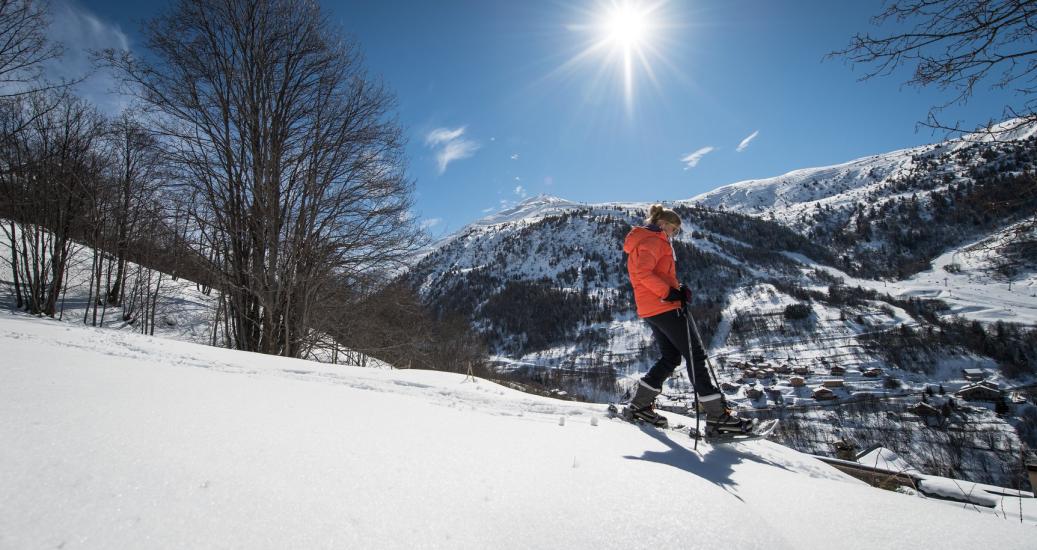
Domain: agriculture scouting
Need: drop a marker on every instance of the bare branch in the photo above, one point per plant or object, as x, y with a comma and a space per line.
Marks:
959, 46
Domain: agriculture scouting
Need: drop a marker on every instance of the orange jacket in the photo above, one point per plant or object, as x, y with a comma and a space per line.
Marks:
652, 270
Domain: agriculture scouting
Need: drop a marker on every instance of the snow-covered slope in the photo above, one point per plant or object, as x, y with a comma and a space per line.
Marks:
530, 209
961, 278
787, 197
809, 185
183, 310
115, 440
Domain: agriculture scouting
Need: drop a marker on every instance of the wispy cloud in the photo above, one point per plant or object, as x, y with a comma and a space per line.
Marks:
431, 222
514, 156
520, 191
691, 160
450, 145
82, 32
745, 142
443, 135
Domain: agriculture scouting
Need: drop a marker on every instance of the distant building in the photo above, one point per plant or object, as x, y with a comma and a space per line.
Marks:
924, 409
974, 375
801, 370
753, 393
797, 381
872, 373
980, 391
729, 387
838, 371
824, 394
930, 414
833, 383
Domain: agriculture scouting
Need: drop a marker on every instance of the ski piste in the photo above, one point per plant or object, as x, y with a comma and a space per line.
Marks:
761, 430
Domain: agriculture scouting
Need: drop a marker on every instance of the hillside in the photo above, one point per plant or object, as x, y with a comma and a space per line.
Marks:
114, 440
890, 215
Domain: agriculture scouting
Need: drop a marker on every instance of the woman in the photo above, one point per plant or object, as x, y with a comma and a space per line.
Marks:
660, 299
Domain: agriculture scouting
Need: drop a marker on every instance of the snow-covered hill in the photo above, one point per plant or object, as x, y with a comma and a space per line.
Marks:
787, 197
116, 440
183, 311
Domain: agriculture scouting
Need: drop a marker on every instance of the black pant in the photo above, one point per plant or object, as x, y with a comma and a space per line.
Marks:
671, 333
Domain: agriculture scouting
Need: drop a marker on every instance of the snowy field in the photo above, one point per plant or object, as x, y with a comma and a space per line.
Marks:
115, 440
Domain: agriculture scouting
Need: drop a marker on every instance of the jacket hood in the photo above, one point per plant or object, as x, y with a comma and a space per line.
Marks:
637, 235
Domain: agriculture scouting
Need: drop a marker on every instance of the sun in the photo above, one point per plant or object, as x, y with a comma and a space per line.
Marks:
626, 36
626, 25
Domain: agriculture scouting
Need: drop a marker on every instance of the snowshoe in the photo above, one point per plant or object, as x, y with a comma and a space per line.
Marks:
728, 423
636, 415
760, 430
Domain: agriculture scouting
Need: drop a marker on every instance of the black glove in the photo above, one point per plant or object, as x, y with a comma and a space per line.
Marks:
686, 292
682, 295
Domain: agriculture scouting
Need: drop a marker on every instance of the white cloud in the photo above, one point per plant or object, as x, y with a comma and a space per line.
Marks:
520, 191
745, 142
81, 32
691, 160
514, 156
450, 145
443, 135
431, 222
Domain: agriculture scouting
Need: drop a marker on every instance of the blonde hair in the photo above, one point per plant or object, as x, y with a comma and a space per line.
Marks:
659, 213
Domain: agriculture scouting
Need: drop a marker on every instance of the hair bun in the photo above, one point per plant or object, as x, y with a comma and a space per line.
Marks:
655, 209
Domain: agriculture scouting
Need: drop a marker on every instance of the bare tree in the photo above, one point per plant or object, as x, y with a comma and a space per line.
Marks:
52, 174
24, 47
957, 45
270, 117
139, 170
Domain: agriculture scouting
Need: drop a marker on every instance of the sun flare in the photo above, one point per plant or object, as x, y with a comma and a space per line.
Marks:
626, 25
625, 35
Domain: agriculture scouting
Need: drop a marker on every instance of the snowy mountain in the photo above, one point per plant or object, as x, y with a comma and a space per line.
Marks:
890, 215
117, 440
786, 197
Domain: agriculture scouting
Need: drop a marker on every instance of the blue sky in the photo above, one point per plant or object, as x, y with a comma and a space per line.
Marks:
498, 104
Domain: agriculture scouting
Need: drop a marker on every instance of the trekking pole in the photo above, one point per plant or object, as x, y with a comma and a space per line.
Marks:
691, 370
693, 328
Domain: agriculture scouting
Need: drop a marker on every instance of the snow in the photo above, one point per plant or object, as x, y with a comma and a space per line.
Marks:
967, 288
785, 194
788, 196
117, 440
949, 488
886, 459
183, 311
530, 209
